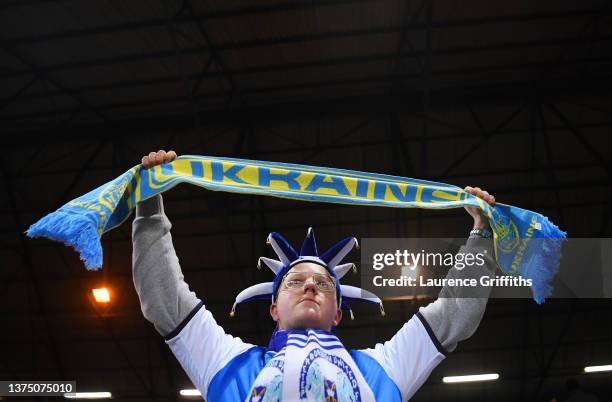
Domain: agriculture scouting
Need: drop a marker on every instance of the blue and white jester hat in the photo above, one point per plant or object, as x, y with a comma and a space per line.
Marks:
288, 258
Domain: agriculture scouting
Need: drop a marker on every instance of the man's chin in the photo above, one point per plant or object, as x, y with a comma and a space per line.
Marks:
308, 319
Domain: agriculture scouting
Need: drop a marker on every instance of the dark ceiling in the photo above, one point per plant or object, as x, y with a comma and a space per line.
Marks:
511, 96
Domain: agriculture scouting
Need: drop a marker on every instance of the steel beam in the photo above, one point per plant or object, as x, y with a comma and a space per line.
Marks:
486, 136
497, 94
301, 5
279, 7
353, 60
37, 171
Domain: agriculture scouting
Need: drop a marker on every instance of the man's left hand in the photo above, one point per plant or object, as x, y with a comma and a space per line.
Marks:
480, 219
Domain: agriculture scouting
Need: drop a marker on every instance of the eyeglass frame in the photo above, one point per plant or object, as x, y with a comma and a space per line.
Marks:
283, 285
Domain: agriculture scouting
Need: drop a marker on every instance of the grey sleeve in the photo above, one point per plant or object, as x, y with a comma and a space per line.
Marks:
456, 314
165, 298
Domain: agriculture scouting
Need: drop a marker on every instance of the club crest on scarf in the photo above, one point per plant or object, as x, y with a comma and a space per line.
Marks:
289, 258
316, 386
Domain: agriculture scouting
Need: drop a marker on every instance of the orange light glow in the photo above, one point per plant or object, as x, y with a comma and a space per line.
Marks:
101, 295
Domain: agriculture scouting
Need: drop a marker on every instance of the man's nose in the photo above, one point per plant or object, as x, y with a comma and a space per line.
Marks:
310, 285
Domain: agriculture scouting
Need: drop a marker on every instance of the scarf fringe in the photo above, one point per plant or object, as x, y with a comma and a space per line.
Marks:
73, 230
545, 264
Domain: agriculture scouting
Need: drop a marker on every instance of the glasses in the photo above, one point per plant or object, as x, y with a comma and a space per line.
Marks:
296, 281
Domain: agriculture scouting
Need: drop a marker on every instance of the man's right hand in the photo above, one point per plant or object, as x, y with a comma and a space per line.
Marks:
158, 158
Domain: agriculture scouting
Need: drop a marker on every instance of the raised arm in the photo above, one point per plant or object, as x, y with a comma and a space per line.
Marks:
423, 342
198, 342
165, 298
457, 312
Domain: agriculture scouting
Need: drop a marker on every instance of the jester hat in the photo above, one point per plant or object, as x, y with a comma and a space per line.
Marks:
289, 258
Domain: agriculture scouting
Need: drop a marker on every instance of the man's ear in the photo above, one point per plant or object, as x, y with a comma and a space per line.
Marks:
338, 317
274, 312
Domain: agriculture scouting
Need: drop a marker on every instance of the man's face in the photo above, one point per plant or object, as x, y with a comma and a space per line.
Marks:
306, 306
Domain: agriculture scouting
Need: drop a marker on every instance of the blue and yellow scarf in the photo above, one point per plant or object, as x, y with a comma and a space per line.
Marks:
81, 222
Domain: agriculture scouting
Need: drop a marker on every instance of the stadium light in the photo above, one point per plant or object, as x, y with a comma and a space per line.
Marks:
101, 295
88, 395
470, 378
598, 369
190, 392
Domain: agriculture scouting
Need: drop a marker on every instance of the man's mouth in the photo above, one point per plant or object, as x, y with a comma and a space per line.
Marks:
309, 299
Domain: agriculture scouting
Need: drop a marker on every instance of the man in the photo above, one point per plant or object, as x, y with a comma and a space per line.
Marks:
304, 360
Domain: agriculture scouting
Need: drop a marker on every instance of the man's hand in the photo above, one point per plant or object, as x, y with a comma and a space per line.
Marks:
480, 219
158, 158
